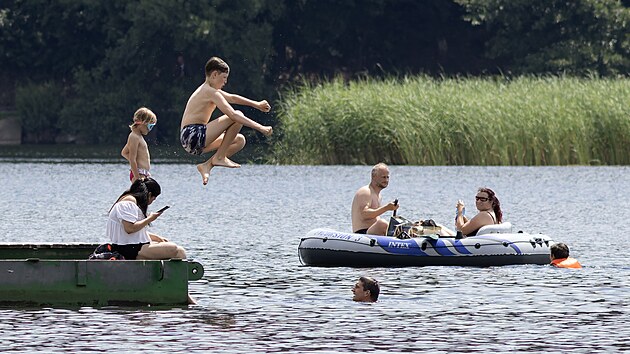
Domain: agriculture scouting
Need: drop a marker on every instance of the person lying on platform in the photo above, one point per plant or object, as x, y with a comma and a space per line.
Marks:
366, 205
560, 257
366, 289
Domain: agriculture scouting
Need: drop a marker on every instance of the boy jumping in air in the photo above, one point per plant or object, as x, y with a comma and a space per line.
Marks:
200, 135
136, 151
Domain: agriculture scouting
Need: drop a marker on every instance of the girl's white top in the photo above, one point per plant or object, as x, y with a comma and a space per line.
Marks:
127, 211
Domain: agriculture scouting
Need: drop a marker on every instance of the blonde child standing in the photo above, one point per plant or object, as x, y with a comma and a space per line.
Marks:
136, 151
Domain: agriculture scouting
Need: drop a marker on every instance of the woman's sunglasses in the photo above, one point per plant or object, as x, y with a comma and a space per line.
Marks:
482, 199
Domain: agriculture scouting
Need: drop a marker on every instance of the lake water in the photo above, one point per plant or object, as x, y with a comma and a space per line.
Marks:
245, 227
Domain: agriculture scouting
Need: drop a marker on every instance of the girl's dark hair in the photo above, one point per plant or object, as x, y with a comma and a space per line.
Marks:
141, 190
153, 187
496, 205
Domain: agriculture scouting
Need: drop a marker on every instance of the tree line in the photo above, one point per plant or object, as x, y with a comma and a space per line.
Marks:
77, 70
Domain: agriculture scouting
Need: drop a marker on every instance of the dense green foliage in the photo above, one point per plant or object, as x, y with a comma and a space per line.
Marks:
105, 59
525, 121
555, 36
39, 108
115, 56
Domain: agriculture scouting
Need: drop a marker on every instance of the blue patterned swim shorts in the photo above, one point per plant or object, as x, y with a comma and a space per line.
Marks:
193, 138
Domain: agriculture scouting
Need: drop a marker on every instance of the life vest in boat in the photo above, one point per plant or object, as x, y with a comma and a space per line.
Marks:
566, 263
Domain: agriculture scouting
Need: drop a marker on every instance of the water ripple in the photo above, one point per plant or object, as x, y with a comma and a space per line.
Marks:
255, 297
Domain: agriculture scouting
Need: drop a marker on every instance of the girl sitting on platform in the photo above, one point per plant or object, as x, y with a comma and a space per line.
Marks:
128, 221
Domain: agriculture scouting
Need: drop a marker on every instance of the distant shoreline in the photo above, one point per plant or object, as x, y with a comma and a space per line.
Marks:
111, 154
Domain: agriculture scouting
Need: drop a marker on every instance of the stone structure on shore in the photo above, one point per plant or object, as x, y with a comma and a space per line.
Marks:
10, 131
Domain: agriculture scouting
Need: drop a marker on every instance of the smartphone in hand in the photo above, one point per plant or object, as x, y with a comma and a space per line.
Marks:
161, 210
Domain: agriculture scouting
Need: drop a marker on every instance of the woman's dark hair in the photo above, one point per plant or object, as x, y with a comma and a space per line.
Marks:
496, 205
141, 190
371, 285
153, 187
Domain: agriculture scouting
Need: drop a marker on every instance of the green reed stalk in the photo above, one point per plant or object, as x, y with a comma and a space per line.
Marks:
462, 121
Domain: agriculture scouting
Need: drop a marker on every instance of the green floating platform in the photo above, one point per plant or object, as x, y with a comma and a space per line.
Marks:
60, 274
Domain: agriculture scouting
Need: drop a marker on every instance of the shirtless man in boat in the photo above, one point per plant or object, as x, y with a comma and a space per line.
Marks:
201, 135
366, 205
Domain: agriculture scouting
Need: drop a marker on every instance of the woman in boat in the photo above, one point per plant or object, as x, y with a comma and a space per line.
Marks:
128, 221
489, 213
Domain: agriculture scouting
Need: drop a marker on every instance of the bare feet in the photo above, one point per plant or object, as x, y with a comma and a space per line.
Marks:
205, 171
225, 162
267, 130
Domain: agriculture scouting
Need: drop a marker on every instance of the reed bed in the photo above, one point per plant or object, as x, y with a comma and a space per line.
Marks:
460, 121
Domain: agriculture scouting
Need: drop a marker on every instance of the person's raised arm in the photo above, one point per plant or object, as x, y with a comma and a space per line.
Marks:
224, 106
244, 101
460, 219
370, 213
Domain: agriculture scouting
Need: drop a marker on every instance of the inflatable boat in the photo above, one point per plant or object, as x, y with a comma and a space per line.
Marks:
494, 245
